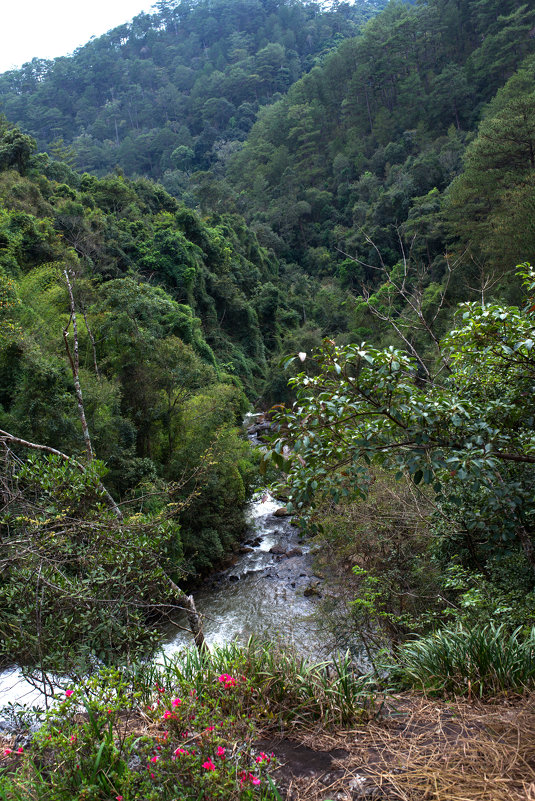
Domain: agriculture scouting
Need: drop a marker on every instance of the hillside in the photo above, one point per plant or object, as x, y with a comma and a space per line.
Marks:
174, 91
358, 159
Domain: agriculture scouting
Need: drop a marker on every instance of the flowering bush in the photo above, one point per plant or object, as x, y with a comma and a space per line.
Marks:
184, 731
169, 741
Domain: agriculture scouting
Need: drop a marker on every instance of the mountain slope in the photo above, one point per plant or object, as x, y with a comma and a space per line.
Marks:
176, 90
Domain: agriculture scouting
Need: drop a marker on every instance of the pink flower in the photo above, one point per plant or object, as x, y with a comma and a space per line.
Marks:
167, 714
73, 738
208, 765
220, 751
118, 798
20, 750
154, 759
7, 751
248, 777
180, 751
68, 693
227, 680
176, 702
210, 728
152, 776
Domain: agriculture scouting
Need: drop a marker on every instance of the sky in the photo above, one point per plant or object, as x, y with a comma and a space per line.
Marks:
51, 28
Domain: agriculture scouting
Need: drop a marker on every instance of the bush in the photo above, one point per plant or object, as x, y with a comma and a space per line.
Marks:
180, 731
483, 660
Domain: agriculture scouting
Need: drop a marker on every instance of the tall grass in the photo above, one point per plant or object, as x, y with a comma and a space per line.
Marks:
285, 684
483, 660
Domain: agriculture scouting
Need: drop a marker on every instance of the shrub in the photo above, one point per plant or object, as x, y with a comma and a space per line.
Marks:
483, 660
180, 731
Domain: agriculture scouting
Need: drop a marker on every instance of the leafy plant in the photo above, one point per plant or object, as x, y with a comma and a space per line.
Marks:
480, 660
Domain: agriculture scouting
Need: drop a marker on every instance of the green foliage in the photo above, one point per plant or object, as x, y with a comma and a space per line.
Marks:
181, 730
79, 585
467, 435
489, 206
482, 660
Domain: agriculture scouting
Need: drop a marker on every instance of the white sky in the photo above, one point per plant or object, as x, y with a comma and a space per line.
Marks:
50, 28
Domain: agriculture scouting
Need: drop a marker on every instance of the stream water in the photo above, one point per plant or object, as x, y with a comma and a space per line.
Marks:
262, 593
270, 595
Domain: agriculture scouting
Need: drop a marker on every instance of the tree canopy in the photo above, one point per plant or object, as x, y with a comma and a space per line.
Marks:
468, 431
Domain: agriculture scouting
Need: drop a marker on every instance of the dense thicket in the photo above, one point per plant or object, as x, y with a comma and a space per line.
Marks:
177, 90
170, 311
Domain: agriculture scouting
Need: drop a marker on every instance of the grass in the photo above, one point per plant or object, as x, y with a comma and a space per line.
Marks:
182, 730
481, 661
423, 749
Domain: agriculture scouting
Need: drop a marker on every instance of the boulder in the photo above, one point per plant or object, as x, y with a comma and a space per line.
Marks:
258, 428
282, 512
278, 548
294, 552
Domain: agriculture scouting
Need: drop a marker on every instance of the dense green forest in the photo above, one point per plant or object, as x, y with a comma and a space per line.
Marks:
237, 204
162, 314
176, 91
360, 155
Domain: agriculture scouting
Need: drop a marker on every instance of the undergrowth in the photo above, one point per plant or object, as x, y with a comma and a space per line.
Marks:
182, 730
480, 660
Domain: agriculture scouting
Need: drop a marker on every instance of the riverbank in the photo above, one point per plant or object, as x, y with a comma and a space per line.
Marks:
256, 723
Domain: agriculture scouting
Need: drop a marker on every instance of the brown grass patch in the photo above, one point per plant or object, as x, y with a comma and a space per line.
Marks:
424, 750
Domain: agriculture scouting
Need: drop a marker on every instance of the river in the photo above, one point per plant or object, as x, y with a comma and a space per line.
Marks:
262, 593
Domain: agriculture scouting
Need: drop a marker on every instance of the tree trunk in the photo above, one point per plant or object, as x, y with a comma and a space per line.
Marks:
194, 618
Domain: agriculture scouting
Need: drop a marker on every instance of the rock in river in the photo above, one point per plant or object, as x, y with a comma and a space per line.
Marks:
294, 552
282, 512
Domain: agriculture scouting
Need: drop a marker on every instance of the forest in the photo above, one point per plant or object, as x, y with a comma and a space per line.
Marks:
324, 214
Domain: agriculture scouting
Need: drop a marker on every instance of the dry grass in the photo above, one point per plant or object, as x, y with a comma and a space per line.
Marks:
422, 750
